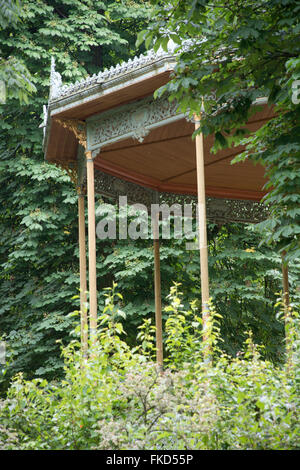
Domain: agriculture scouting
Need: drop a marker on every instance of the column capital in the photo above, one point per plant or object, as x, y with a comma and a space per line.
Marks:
91, 155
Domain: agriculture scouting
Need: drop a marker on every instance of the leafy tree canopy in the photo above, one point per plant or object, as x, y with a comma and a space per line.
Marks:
38, 214
15, 79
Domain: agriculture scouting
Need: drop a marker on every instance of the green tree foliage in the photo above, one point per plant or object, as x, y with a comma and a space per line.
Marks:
38, 211
245, 282
38, 257
81, 35
15, 79
38, 205
236, 52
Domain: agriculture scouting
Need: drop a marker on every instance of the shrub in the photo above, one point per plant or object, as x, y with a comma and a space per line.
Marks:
118, 399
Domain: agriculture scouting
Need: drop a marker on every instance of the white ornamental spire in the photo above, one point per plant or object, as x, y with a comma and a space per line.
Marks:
45, 118
55, 81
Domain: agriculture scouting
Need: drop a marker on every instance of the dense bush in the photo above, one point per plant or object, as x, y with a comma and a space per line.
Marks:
118, 399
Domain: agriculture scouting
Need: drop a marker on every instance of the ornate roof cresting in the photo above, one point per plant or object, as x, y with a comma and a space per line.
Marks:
60, 91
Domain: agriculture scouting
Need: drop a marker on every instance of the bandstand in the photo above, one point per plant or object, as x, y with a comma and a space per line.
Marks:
114, 139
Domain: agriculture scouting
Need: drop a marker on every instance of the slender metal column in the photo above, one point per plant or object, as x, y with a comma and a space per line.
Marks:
91, 244
286, 301
82, 270
157, 292
285, 283
202, 223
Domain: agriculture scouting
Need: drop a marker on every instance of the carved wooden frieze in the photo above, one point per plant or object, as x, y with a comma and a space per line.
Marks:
133, 120
220, 211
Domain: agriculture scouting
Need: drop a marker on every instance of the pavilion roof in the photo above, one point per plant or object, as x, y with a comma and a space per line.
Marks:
164, 158
139, 65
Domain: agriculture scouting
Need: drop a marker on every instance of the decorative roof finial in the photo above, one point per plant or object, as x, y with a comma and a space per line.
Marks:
55, 81
45, 118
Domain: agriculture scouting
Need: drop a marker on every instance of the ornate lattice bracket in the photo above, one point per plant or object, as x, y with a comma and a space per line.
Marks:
235, 210
133, 120
222, 211
77, 127
70, 168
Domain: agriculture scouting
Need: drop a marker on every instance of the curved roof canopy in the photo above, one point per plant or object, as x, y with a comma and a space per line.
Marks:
139, 139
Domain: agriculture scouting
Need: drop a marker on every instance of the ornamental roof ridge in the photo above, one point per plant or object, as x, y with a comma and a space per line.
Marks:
135, 63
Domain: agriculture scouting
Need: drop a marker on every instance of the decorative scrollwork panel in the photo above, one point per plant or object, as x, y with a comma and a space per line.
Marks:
132, 120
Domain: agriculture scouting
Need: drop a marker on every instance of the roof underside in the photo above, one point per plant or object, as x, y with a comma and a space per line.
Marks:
166, 159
